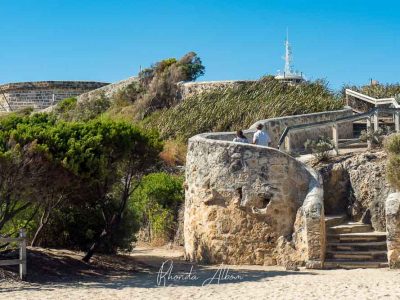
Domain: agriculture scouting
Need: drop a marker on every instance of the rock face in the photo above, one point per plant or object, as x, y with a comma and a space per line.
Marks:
356, 184
393, 229
241, 198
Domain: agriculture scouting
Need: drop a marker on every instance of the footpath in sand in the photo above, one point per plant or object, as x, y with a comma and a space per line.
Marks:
138, 276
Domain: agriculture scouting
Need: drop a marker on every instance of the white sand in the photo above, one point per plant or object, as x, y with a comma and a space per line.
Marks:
257, 283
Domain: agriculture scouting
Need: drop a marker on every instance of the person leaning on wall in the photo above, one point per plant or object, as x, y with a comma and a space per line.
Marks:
240, 137
261, 137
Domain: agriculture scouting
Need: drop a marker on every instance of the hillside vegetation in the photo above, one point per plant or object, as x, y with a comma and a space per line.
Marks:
376, 90
238, 107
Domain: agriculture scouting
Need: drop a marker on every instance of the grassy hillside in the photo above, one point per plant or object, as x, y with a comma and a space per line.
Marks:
237, 108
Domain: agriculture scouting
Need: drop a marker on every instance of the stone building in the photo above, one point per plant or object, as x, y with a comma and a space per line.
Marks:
42, 94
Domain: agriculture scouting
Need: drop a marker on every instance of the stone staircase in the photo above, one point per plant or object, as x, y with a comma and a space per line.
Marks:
353, 245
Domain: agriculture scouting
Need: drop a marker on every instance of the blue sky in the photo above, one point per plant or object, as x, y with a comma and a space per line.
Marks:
341, 41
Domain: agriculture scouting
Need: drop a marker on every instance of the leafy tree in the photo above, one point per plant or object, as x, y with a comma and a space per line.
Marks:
100, 160
157, 200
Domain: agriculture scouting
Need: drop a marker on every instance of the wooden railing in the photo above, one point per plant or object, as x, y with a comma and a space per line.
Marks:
371, 116
21, 261
372, 100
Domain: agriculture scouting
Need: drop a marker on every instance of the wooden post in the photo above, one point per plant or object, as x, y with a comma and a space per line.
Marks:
397, 121
376, 121
335, 137
287, 143
369, 130
22, 255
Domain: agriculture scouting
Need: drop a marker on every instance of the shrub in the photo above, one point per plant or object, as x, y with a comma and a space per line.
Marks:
76, 226
157, 200
392, 146
320, 148
375, 137
174, 153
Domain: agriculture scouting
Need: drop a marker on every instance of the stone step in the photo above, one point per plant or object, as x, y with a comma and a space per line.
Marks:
347, 264
377, 255
373, 236
334, 220
350, 228
358, 246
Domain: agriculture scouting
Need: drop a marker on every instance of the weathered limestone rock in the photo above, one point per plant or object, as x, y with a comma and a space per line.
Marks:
241, 199
393, 229
356, 184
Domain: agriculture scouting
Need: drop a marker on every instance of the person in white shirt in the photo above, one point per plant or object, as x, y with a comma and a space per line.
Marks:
240, 137
261, 137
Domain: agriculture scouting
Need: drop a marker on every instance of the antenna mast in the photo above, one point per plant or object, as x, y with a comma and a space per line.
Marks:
288, 55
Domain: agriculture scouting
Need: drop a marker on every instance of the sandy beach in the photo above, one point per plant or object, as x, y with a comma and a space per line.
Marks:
176, 281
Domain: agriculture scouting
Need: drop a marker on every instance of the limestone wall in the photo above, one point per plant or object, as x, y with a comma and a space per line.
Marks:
187, 89
393, 229
39, 95
108, 90
276, 126
241, 199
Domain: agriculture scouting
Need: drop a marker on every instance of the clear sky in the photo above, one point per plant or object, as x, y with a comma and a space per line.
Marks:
107, 40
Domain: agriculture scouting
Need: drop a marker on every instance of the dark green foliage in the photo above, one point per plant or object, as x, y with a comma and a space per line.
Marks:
157, 200
94, 167
76, 226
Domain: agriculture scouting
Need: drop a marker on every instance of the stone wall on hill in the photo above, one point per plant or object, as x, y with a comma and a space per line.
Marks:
188, 89
41, 94
108, 90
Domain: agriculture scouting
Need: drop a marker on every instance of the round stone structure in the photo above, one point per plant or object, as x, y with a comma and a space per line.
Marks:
42, 94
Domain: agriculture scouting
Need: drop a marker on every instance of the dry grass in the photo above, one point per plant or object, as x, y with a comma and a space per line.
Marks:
174, 153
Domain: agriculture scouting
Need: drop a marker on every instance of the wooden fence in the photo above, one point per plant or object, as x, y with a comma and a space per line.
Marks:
21, 240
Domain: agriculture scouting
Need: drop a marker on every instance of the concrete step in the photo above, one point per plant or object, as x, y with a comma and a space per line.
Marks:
356, 246
350, 228
373, 236
334, 220
346, 264
377, 255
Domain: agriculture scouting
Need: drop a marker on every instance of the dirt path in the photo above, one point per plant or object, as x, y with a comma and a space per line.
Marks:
143, 280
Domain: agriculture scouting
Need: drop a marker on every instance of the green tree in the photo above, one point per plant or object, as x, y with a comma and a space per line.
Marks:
157, 200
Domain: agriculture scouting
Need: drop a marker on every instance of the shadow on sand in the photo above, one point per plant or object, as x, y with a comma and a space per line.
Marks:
47, 272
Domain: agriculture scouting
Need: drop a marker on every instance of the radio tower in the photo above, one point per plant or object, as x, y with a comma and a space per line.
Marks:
289, 76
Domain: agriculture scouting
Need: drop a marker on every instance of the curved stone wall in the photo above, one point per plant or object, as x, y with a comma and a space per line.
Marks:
247, 204
41, 94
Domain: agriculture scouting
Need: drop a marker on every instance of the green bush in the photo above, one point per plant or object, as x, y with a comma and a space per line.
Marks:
76, 226
320, 148
157, 200
375, 137
392, 146
78, 174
